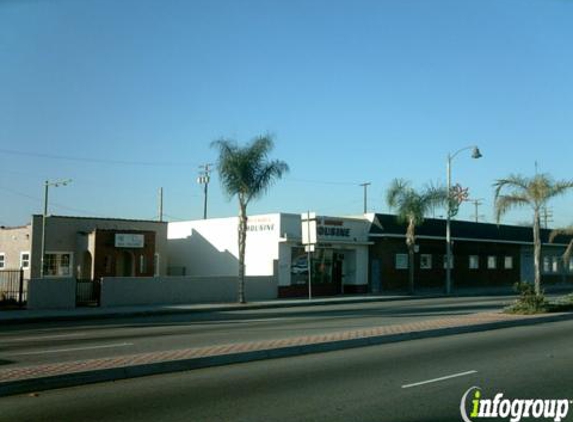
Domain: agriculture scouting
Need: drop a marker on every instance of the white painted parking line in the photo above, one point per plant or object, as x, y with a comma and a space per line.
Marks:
74, 349
447, 377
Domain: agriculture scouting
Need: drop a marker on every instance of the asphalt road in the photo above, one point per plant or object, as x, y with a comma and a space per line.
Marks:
420, 380
29, 344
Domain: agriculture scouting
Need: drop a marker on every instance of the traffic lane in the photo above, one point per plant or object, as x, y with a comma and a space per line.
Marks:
58, 346
365, 384
389, 310
409, 306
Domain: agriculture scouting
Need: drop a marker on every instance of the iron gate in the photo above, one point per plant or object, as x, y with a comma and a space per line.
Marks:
88, 292
13, 288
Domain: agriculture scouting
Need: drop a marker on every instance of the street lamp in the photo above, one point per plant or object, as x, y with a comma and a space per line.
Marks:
475, 155
47, 185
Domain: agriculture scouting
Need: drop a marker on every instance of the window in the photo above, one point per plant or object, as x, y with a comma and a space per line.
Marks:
2, 260
24, 260
142, 264
446, 262
555, 264
156, 265
491, 262
571, 264
426, 261
508, 263
546, 264
58, 264
401, 261
474, 262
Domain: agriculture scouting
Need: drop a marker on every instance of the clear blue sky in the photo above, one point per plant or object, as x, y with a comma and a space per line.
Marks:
353, 91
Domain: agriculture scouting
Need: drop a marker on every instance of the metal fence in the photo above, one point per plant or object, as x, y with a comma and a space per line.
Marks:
13, 288
88, 292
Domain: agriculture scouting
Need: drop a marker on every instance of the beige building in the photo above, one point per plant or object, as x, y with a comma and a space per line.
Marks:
86, 248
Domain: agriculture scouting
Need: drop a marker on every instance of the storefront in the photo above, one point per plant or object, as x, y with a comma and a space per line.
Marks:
483, 255
338, 264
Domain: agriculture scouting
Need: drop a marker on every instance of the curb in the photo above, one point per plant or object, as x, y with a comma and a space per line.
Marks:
141, 370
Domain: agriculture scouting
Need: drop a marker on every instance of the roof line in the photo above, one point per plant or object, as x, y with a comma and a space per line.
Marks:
102, 218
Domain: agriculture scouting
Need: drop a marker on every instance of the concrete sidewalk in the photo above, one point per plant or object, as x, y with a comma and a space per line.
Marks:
42, 377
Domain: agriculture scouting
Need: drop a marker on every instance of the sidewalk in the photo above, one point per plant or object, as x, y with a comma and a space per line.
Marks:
42, 377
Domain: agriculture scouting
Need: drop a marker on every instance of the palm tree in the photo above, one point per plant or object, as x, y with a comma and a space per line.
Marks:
247, 173
411, 207
567, 231
518, 191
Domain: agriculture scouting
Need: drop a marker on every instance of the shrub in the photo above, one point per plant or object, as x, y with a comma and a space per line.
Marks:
528, 302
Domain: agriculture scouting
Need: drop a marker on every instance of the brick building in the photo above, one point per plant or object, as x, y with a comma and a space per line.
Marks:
483, 255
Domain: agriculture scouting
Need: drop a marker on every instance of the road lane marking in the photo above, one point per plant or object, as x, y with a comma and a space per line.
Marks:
73, 349
447, 377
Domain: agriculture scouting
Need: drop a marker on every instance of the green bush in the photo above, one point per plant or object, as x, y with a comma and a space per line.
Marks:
528, 302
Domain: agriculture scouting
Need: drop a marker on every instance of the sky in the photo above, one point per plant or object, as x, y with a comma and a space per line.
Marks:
124, 97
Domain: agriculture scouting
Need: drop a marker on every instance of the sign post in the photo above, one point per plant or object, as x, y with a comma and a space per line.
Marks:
309, 242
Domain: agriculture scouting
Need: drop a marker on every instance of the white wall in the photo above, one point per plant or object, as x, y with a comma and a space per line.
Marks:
130, 291
210, 247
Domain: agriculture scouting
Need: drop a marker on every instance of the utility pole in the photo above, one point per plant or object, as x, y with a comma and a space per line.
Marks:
546, 216
160, 204
47, 186
365, 185
204, 179
477, 203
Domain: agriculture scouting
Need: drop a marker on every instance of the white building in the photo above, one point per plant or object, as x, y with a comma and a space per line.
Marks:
339, 263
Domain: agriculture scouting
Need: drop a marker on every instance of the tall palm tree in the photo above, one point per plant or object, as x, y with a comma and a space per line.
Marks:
411, 208
517, 191
247, 173
567, 231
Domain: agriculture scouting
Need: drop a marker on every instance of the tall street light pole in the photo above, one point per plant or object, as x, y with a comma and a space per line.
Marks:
365, 185
47, 185
475, 154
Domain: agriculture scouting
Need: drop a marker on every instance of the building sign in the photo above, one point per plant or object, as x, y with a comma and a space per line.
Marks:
332, 228
308, 228
333, 231
268, 227
261, 224
127, 240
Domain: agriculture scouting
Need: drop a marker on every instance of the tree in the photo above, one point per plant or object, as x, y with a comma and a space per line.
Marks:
411, 208
247, 173
567, 231
517, 191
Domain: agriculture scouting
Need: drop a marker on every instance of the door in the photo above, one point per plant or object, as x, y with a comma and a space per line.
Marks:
337, 272
376, 276
125, 265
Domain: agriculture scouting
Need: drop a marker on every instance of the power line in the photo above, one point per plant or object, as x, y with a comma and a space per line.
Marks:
55, 204
94, 160
321, 182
